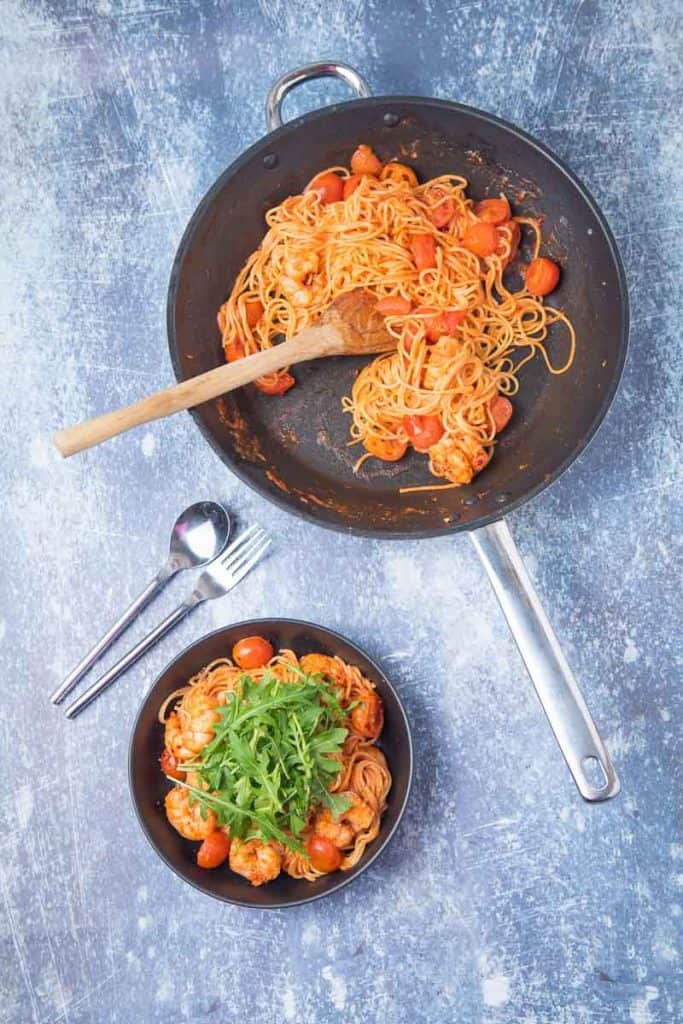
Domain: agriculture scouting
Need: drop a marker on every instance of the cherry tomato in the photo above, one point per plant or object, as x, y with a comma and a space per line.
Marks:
275, 383
169, 764
508, 234
394, 305
399, 173
493, 211
253, 310
442, 323
323, 854
351, 184
542, 276
444, 211
479, 458
423, 248
214, 850
500, 408
252, 652
480, 238
328, 185
367, 718
386, 450
365, 161
423, 431
235, 350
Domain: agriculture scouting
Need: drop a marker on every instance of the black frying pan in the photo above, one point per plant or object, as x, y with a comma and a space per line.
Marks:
292, 449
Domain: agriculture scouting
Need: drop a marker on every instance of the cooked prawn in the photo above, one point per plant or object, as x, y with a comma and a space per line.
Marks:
190, 727
346, 827
255, 860
188, 819
322, 664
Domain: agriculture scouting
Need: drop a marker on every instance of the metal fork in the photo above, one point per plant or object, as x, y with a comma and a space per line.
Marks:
221, 576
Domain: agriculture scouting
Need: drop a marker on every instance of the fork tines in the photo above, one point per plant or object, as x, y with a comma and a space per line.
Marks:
243, 554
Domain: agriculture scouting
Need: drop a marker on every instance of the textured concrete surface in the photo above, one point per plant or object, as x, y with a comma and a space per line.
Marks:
504, 899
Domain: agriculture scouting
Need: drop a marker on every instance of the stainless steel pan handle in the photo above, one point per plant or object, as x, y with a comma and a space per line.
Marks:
550, 673
319, 70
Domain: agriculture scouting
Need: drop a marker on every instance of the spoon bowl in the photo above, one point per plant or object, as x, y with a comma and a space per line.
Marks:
199, 535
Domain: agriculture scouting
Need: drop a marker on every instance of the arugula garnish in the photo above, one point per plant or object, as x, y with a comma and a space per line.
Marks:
272, 758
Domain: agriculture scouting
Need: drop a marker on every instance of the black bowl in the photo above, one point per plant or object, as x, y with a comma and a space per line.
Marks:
149, 787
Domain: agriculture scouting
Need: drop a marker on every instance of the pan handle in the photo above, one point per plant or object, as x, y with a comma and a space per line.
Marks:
319, 70
556, 687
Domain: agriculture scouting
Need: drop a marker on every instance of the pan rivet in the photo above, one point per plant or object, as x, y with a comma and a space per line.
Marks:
391, 120
503, 497
472, 500
270, 161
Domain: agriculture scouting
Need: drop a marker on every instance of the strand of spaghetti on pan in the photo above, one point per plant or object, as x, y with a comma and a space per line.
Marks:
363, 776
435, 261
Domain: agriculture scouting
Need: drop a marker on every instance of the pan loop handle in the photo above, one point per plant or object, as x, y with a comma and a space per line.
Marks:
322, 69
553, 679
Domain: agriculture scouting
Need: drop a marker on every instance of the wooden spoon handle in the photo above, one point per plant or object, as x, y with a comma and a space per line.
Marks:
311, 342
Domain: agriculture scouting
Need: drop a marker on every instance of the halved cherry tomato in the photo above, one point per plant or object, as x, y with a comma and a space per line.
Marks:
400, 173
253, 310
394, 305
423, 248
493, 211
328, 185
442, 323
480, 238
385, 449
508, 233
365, 161
444, 211
275, 383
542, 276
235, 350
351, 184
168, 763
423, 431
500, 408
323, 854
213, 850
252, 652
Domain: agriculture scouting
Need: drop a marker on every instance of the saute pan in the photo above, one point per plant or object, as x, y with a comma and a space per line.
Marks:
292, 449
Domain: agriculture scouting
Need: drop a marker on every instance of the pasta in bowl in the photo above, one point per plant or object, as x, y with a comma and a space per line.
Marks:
270, 763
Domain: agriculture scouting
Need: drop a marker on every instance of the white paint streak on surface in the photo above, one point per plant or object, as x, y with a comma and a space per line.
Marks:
496, 989
337, 987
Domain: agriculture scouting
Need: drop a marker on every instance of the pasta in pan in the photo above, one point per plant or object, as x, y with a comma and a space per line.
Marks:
275, 764
435, 260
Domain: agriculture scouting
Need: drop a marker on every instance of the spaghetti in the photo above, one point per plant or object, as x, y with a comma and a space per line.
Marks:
435, 261
337, 830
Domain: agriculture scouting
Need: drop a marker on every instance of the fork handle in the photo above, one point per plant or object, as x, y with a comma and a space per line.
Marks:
129, 659
112, 634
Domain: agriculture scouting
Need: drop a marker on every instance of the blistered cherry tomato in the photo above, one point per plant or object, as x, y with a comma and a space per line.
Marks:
365, 161
494, 211
169, 764
252, 652
275, 383
214, 850
253, 310
323, 854
351, 184
235, 350
500, 408
423, 431
542, 276
329, 186
444, 211
423, 248
480, 238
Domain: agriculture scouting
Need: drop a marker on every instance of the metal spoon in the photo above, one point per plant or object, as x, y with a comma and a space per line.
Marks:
199, 535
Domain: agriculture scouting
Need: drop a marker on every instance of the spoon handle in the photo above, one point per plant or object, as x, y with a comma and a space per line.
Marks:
131, 657
112, 634
313, 341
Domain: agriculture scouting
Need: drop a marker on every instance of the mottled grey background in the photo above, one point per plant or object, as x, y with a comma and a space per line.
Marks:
504, 899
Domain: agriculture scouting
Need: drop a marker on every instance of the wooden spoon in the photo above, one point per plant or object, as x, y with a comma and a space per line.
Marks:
350, 326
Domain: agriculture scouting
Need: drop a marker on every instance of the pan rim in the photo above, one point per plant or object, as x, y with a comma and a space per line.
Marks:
448, 528
267, 622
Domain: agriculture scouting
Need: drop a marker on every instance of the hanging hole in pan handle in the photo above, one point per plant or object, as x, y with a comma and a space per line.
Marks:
322, 69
